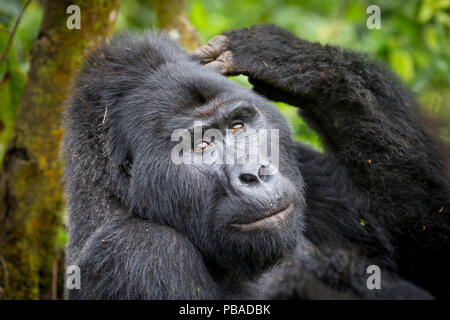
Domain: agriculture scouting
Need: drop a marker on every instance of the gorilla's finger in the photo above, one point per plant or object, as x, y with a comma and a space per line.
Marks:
204, 53
220, 42
225, 64
212, 49
219, 66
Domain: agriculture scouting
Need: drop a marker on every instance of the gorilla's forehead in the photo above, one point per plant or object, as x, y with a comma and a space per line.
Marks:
180, 93
211, 109
196, 84
218, 107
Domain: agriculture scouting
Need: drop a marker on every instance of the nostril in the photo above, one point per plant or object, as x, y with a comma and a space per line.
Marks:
265, 173
248, 178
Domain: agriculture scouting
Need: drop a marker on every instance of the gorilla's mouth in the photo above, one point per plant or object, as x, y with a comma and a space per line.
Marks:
272, 218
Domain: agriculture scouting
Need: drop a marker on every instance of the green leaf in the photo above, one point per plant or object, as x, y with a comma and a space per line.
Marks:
402, 63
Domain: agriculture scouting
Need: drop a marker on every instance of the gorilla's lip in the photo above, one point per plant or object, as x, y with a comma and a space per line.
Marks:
273, 217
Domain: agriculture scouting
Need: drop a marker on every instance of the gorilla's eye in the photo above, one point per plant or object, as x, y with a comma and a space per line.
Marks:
201, 146
235, 127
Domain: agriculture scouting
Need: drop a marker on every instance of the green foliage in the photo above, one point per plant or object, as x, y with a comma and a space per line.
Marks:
11, 85
15, 66
135, 15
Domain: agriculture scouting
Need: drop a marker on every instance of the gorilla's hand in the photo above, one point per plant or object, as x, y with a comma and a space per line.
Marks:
217, 55
264, 53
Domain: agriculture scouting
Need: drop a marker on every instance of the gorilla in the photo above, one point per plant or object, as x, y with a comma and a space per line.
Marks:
141, 226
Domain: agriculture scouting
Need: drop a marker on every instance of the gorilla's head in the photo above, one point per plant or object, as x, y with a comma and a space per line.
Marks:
134, 94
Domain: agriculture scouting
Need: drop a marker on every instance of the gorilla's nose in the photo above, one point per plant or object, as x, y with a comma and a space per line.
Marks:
254, 177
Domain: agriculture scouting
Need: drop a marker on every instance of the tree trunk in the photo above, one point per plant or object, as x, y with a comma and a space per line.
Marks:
31, 204
171, 17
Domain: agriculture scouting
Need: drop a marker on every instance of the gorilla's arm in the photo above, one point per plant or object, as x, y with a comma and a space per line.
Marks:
114, 258
367, 121
322, 273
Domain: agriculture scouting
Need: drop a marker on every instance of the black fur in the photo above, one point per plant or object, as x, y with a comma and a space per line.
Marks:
141, 227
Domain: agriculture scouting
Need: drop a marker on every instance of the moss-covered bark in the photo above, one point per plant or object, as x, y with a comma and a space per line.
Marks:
31, 191
171, 17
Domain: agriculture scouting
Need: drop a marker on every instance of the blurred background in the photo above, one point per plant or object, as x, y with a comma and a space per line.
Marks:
39, 55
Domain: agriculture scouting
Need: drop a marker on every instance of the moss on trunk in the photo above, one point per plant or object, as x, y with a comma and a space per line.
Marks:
31, 202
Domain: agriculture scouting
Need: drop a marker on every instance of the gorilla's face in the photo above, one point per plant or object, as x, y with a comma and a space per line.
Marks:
242, 213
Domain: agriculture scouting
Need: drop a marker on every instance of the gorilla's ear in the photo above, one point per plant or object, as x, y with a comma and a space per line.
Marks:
127, 164
199, 98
